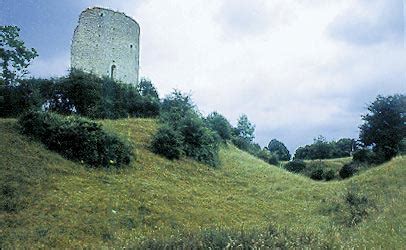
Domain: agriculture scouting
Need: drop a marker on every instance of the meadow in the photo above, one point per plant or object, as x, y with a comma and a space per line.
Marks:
48, 201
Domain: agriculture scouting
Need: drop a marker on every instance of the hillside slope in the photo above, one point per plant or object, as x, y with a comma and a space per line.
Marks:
47, 200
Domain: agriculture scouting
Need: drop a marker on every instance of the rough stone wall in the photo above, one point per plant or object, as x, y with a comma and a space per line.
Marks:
106, 43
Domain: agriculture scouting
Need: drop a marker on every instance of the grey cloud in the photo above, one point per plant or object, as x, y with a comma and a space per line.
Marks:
383, 21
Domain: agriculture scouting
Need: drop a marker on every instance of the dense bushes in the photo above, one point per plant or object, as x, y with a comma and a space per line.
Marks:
167, 142
186, 132
295, 166
265, 155
82, 94
321, 149
348, 170
220, 125
77, 138
318, 171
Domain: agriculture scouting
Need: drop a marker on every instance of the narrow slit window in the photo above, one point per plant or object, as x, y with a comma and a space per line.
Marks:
112, 72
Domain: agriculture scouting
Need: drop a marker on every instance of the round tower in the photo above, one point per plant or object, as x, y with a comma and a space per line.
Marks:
106, 43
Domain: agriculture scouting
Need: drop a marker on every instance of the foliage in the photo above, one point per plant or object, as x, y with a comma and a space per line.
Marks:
279, 149
245, 129
167, 142
15, 99
220, 125
354, 207
14, 56
77, 138
268, 157
295, 166
348, 170
364, 155
79, 93
146, 88
384, 125
322, 149
175, 107
198, 141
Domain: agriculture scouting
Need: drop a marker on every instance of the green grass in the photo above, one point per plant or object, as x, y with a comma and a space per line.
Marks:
49, 201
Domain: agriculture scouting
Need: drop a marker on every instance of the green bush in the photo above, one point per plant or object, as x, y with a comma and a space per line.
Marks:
364, 155
77, 139
348, 170
279, 149
329, 175
167, 142
220, 125
295, 166
82, 94
265, 155
200, 143
317, 174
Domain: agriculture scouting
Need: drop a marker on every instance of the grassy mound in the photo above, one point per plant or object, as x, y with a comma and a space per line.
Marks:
47, 200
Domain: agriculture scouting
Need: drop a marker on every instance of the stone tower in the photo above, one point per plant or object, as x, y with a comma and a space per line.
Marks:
106, 43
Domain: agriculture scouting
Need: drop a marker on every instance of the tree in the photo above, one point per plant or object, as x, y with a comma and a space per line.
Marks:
245, 129
147, 89
279, 149
14, 56
385, 125
219, 124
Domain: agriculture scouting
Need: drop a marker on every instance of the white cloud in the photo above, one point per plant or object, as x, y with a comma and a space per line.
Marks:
54, 66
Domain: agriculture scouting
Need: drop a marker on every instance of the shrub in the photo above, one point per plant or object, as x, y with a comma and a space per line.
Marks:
363, 155
80, 93
265, 155
167, 142
199, 142
348, 170
77, 139
220, 125
279, 149
317, 174
329, 175
295, 166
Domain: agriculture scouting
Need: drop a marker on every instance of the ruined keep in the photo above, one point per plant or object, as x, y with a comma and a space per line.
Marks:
106, 43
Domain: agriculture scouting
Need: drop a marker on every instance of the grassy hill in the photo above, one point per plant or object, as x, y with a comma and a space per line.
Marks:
47, 200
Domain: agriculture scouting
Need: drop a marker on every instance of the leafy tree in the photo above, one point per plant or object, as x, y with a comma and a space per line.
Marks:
175, 107
219, 124
14, 56
145, 88
344, 147
245, 129
385, 125
321, 148
279, 149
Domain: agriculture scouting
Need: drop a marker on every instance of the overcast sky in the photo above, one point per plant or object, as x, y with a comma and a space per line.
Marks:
297, 68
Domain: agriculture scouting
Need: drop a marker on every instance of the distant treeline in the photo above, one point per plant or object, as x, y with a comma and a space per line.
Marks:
322, 149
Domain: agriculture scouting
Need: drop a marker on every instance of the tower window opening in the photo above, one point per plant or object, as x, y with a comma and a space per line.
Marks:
112, 72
